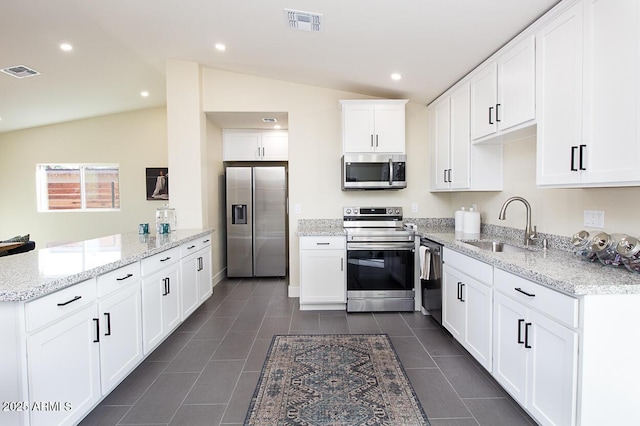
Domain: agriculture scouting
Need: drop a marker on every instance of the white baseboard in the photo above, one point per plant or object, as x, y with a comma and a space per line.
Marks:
294, 291
219, 277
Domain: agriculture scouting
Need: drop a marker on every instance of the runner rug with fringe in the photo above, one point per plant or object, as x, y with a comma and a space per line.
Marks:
338, 380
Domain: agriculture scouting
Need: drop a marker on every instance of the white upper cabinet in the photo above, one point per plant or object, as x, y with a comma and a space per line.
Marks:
588, 96
255, 145
373, 126
503, 92
456, 164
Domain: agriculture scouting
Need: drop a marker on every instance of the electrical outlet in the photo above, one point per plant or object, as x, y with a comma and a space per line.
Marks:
414, 207
474, 207
594, 219
297, 208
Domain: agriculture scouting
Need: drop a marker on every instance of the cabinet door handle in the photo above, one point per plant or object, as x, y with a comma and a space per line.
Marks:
376, 141
341, 264
497, 113
518, 289
581, 157
462, 292
444, 175
97, 322
70, 301
573, 158
199, 264
491, 115
168, 285
371, 140
124, 278
526, 335
520, 321
164, 281
165, 259
459, 297
263, 152
108, 315
449, 175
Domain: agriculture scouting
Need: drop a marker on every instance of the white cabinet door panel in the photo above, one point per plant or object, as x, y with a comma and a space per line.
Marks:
516, 88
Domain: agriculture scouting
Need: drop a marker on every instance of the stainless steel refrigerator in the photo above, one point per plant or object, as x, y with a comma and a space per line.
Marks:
256, 221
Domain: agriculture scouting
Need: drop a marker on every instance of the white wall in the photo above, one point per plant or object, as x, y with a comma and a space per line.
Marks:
315, 148
215, 189
134, 140
554, 211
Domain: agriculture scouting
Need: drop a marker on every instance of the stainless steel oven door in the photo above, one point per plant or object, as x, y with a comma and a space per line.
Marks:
380, 277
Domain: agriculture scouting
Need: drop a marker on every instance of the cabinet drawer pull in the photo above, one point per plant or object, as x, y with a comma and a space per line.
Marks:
97, 339
70, 301
520, 321
191, 247
165, 259
526, 335
491, 115
518, 289
206, 241
124, 278
322, 244
108, 315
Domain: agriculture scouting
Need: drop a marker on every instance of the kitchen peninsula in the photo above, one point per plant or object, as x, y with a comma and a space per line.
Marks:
76, 319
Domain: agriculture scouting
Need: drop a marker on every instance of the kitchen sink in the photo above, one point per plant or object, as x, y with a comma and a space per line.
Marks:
496, 246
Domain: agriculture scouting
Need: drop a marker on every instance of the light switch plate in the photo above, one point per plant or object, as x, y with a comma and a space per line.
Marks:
594, 219
297, 208
414, 207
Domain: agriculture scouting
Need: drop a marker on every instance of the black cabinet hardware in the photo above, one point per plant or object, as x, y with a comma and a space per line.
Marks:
449, 175
165, 259
124, 278
191, 247
322, 244
376, 141
459, 291
497, 113
371, 141
444, 175
206, 241
97, 322
108, 315
70, 301
520, 321
581, 157
166, 291
462, 292
526, 335
491, 115
200, 265
168, 285
573, 158
518, 289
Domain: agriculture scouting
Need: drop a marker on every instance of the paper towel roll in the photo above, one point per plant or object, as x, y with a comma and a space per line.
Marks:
471, 223
459, 218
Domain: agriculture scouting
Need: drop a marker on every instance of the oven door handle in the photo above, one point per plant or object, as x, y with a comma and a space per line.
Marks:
381, 246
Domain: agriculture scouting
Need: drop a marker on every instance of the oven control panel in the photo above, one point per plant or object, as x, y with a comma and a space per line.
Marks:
381, 212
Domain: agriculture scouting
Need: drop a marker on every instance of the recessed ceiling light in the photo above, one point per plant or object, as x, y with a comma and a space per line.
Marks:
144, 94
396, 76
221, 47
66, 47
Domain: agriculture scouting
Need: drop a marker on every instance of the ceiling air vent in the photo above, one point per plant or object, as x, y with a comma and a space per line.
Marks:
304, 21
269, 120
20, 71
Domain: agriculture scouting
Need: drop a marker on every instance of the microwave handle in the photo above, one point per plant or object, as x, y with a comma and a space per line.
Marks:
390, 171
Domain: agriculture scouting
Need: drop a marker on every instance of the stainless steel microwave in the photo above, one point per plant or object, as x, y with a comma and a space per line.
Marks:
374, 171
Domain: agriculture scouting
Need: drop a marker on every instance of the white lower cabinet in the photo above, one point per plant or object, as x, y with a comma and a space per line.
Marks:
195, 275
64, 369
323, 273
120, 335
160, 306
466, 304
535, 354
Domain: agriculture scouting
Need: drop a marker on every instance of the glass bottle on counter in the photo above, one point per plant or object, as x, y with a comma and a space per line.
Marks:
604, 245
581, 243
629, 249
166, 214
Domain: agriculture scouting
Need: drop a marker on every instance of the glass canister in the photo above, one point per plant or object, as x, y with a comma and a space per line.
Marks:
581, 242
604, 245
629, 249
166, 214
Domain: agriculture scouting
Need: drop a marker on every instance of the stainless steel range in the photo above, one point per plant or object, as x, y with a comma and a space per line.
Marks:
380, 260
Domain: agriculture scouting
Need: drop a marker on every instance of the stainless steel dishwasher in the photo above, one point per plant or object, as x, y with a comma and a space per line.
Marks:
431, 280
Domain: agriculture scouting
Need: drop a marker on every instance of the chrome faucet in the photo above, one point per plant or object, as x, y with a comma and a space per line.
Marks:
529, 234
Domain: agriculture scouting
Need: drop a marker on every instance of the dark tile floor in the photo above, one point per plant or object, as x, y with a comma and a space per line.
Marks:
205, 373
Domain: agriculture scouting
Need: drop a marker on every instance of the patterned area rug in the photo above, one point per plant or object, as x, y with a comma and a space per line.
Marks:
337, 380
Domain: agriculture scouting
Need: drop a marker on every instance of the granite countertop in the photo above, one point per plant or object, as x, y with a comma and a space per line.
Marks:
558, 269
37, 273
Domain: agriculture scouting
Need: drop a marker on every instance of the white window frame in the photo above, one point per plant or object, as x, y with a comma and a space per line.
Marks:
43, 194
